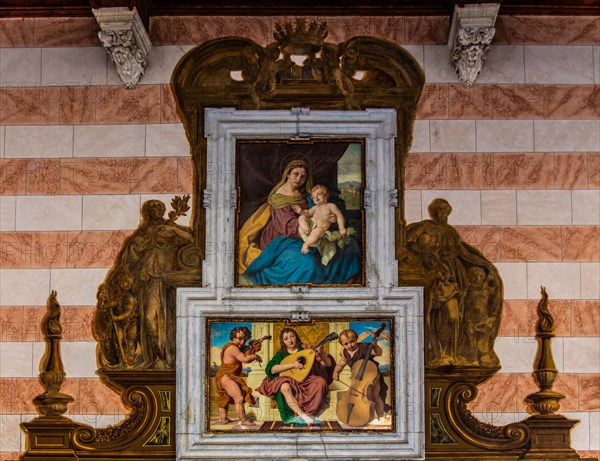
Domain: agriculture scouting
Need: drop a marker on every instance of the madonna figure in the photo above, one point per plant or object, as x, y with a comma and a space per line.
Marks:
269, 251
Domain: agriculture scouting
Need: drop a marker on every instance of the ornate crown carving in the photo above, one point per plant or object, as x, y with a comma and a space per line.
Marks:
298, 38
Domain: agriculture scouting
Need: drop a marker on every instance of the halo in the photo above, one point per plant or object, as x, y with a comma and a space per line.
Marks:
288, 158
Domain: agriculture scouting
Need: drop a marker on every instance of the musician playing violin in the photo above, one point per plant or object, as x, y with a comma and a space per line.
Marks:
231, 388
297, 401
352, 352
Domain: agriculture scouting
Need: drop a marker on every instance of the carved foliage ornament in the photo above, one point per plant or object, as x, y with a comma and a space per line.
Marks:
123, 35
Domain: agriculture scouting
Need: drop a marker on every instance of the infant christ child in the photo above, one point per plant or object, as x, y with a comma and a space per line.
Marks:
314, 222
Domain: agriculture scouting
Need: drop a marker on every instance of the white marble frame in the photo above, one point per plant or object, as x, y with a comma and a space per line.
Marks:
223, 127
196, 305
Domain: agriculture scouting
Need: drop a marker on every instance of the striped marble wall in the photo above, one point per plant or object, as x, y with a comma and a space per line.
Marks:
518, 157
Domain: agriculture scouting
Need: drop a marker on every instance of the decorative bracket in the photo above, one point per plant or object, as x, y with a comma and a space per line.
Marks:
471, 33
126, 40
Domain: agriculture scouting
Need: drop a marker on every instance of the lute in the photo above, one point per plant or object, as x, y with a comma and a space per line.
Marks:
306, 357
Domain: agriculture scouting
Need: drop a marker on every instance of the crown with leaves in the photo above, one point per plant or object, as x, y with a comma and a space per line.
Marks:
300, 37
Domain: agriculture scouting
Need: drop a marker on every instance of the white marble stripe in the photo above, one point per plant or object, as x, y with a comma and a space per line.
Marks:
505, 64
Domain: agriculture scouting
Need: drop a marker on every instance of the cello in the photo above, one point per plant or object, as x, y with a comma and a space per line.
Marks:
355, 407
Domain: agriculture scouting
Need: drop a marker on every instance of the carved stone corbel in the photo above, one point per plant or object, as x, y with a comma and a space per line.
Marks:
471, 33
126, 40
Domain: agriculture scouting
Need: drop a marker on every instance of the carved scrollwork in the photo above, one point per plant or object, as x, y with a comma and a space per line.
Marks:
137, 400
483, 435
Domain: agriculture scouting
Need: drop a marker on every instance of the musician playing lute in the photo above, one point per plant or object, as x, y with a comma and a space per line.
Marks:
297, 401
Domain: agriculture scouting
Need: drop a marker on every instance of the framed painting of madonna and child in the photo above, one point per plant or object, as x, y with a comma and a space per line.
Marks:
331, 375
300, 213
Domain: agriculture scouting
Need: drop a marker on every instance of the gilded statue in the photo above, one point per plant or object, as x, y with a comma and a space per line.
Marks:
466, 293
134, 323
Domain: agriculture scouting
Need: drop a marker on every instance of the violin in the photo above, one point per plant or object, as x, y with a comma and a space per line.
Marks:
356, 407
254, 345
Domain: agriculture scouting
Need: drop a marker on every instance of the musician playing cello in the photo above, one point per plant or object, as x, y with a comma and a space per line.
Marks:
352, 352
297, 401
231, 388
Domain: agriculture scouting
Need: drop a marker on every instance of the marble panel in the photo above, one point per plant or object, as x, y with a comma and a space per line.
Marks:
412, 206
485, 238
437, 65
118, 105
593, 163
161, 30
543, 207
531, 243
580, 434
594, 433
11, 435
16, 359
77, 323
47, 213
498, 207
518, 318
49, 250
514, 276
189, 30
426, 171
11, 323
43, 176
79, 359
562, 280
94, 248
428, 30
585, 317
342, 28
39, 141
566, 384
15, 250
596, 53
16, 395
168, 107
470, 171
74, 66
582, 355
111, 212
20, 67
421, 137
433, 103
184, 175
590, 280
98, 399
504, 135
586, 207
517, 102
29, 106
77, 287
466, 208
453, 136
77, 104
581, 243
498, 394
550, 30
109, 140
55, 32
589, 393
2, 136
32, 316
95, 176
522, 171
166, 140
571, 102
501, 25
571, 170
559, 64
34, 286
8, 210
504, 64
517, 354
470, 103
417, 52
154, 175
12, 177
16, 32
388, 28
